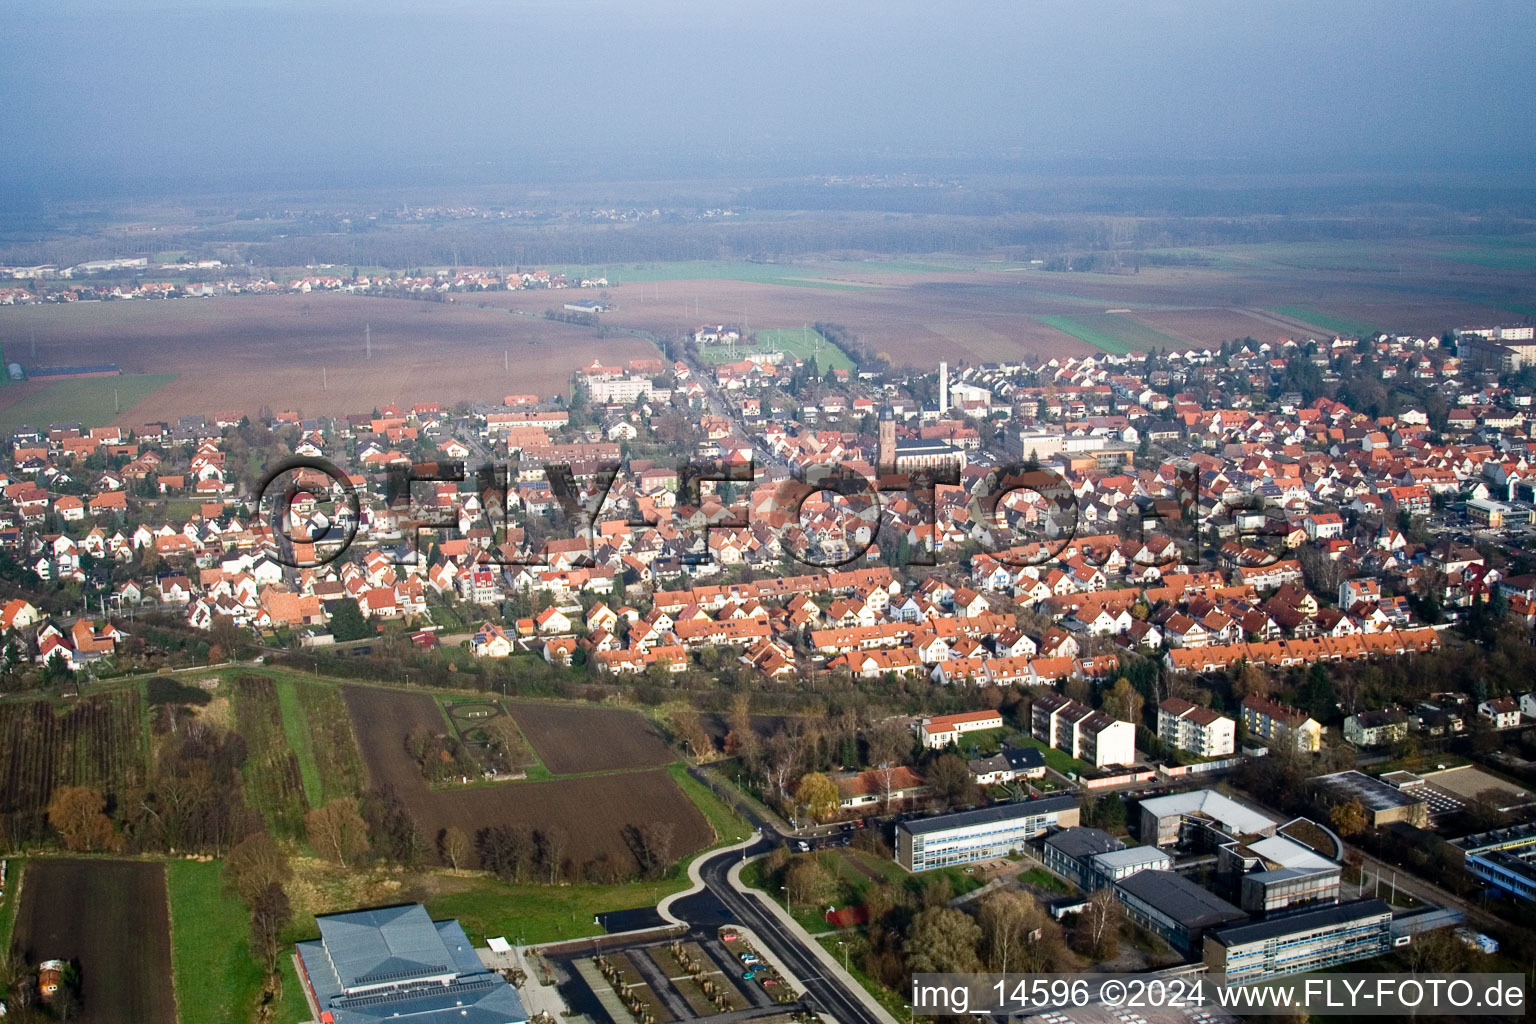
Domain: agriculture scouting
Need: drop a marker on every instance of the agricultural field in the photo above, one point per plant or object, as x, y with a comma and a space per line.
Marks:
595, 811
331, 747
89, 401
307, 352
576, 740
1343, 325
274, 782
243, 353
97, 742
111, 916
1112, 332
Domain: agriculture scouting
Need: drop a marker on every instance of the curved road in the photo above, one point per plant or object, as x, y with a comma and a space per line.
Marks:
719, 903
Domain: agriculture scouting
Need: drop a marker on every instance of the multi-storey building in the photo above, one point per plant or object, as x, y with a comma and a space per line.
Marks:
1084, 733
1173, 907
1195, 729
1275, 722
968, 836
1504, 858
1309, 941
1198, 816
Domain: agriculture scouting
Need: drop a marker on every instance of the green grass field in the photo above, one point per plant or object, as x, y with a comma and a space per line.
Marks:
292, 1007
1111, 332
729, 826
1340, 325
296, 731
13, 869
796, 341
217, 981
543, 913
87, 401
1057, 760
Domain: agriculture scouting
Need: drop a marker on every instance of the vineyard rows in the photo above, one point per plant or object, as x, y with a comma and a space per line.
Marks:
274, 784
97, 742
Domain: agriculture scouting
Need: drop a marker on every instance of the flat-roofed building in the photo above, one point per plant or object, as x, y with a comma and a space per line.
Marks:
1174, 908
1115, 865
1383, 803
1504, 858
997, 831
1312, 940
1197, 815
396, 963
1070, 852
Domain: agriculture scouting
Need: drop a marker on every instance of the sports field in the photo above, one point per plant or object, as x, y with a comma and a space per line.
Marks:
799, 342
89, 401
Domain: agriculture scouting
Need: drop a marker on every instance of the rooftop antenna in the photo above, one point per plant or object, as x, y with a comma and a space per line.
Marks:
368, 338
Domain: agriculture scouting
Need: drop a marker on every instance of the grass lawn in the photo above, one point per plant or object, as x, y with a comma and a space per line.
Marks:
86, 400
13, 869
1057, 760
543, 913
729, 826
1043, 879
857, 946
292, 1007
217, 981
1341, 325
296, 732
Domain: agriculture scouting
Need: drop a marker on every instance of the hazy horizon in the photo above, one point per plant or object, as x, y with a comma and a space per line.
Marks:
289, 95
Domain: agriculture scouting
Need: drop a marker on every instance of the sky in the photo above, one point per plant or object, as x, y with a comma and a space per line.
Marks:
311, 91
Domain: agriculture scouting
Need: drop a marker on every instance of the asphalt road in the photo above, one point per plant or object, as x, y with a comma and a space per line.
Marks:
720, 904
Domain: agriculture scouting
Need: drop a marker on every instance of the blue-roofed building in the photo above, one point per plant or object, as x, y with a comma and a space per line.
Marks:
397, 964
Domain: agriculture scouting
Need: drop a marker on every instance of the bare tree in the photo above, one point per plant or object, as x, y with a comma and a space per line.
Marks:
254, 864
337, 831
552, 843
1098, 925
270, 914
454, 846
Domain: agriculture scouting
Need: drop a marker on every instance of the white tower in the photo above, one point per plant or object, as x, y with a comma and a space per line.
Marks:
943, 389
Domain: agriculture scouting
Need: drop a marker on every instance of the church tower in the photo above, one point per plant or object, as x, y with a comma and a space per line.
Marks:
886, 456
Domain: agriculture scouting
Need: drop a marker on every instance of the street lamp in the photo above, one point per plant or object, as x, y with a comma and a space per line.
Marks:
844, 946
787, 907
